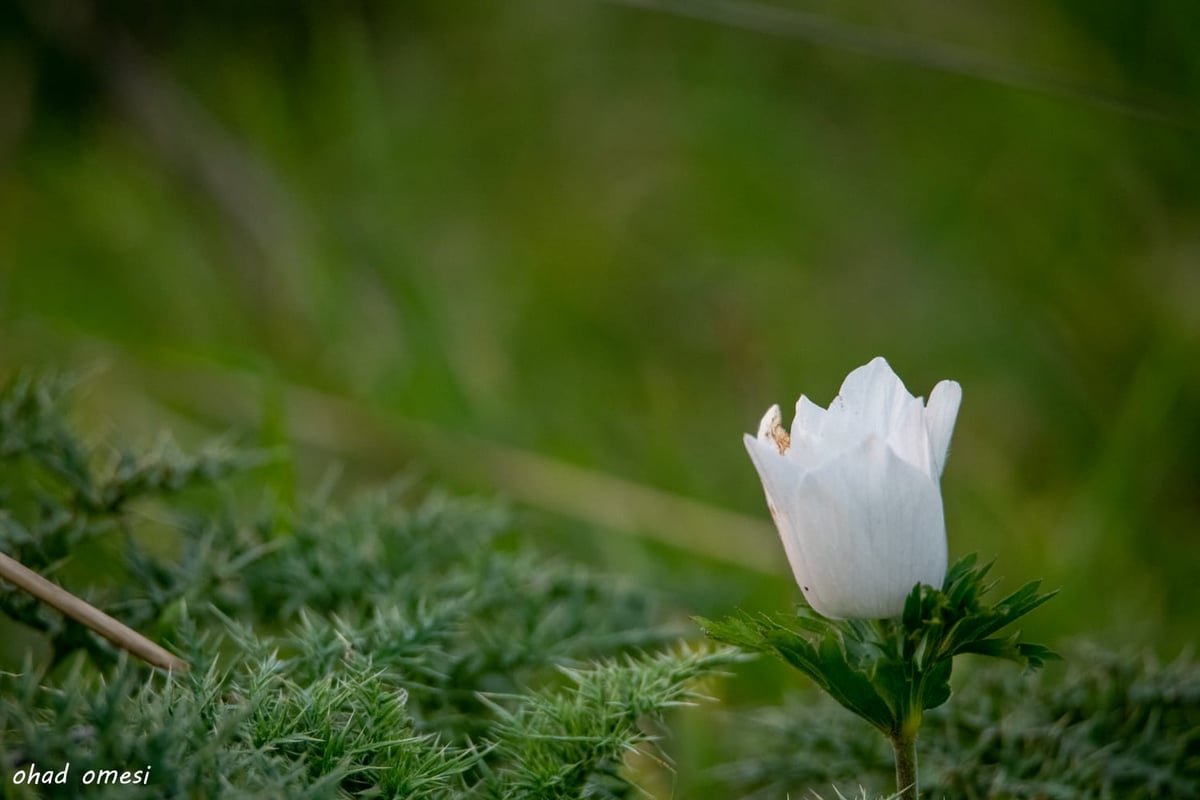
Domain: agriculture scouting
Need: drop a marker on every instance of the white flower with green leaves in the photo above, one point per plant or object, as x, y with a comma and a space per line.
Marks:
855, 493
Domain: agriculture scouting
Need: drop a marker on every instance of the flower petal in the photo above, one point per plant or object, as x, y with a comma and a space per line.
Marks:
772, 419
809, 418
908, 438
770, 430
806, 448
868, 526
780, 478
872, 400
940, 415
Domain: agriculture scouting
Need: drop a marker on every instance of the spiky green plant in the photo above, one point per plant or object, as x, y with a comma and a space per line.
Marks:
387, 648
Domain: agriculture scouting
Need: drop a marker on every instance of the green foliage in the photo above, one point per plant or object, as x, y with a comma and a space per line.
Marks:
191, 731
890, 671
1112, 726
59, 497
939, 625
398, 647
602, 709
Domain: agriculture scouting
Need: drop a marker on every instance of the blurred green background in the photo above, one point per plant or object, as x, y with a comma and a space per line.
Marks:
567, 252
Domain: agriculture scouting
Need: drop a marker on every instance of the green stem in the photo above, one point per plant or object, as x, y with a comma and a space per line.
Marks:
905, 747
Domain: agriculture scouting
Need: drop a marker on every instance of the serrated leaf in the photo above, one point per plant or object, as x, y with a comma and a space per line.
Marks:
853, 689
912, 608
739, 631
935, 688
1036, 655
798, 652
894, 685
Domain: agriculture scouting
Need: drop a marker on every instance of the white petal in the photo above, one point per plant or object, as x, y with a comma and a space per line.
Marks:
807, 448
809, 418
770, 431
771, 420
869, 527
872, 400
780, 478
908, 437
940, 415
806, 452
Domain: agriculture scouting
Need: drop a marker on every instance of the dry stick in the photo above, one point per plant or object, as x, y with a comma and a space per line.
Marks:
116, 632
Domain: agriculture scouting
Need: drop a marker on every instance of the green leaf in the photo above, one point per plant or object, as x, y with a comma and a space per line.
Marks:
1036, 655
738, 631
854, 689
912, 608
797, 651
894, 684
935, 689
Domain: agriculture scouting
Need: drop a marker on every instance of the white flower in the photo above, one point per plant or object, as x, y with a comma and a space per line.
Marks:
855, 492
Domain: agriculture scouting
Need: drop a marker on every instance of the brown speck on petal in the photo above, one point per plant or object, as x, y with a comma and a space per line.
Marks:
781, 438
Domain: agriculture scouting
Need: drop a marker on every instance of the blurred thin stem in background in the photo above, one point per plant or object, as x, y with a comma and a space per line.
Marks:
903, 48
341, 425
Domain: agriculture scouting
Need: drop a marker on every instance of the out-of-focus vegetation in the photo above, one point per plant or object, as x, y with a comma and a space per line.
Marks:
570, 251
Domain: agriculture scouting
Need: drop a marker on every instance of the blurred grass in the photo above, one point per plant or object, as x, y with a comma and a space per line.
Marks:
608, 239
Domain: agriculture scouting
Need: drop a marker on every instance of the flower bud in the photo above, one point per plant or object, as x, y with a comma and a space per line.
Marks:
854, 490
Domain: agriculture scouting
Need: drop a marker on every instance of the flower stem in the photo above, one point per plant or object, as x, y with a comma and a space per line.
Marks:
905, 747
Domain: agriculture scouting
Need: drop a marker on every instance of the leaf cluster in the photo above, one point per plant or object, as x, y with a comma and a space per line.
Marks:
398, 646
890, 671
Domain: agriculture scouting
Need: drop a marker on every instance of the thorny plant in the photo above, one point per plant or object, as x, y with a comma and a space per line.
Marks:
388, 648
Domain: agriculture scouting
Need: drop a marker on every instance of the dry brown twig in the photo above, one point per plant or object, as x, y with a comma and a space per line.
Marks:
85, 613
